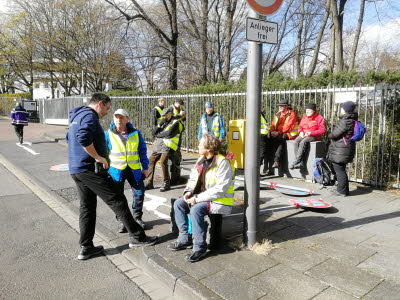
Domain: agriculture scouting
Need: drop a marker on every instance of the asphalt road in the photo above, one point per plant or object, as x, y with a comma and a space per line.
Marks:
38, 250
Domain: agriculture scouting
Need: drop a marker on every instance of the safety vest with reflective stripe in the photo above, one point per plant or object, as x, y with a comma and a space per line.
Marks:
264, 126
160, 112
173, 142
294, 132
211, 180
122, 155
215, 125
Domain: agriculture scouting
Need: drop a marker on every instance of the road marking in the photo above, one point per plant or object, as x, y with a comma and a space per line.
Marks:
27, 149
27, 143
154, 203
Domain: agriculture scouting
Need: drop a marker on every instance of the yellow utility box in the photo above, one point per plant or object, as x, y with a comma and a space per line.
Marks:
236, 141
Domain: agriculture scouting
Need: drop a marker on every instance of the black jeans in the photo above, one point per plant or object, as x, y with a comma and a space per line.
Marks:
175, 169
19, 130
90, 185
341, 177
265, 146
278, 144
301, 146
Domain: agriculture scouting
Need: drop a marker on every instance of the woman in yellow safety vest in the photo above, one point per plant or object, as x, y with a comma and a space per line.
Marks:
210, 190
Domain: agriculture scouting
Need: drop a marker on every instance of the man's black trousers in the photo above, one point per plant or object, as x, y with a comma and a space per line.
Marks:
90, 185
342, 178
19, 130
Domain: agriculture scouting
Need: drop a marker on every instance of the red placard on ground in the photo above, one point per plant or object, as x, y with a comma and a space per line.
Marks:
265, 7
313, 203
62, 167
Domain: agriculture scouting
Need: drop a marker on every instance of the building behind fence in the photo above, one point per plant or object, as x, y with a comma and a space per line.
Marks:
377, 160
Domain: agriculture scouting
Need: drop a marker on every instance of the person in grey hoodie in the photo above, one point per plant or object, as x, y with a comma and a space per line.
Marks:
88, 162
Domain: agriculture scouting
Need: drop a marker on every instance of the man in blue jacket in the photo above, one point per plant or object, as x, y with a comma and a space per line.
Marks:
128, 161
87, 149
211, 122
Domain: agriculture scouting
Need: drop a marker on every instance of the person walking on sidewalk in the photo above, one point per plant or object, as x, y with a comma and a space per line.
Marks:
19, 119
87, 149
157, 111
311, 128
341, 150
167, 139
128, 161
210, 189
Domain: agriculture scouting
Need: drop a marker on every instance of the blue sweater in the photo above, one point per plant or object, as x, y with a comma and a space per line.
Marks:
144, 161
84, 129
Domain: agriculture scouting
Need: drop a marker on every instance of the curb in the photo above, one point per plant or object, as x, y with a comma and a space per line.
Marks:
182, 286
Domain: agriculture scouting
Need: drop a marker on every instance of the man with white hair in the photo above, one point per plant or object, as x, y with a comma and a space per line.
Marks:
128, 161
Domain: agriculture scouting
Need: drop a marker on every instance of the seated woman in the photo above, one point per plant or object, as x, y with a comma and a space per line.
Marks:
311, 129
209, 190
341, 149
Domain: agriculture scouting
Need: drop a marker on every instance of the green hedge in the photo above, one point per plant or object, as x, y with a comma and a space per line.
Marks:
277, 81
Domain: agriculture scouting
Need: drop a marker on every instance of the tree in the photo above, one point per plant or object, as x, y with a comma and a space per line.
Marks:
170, 39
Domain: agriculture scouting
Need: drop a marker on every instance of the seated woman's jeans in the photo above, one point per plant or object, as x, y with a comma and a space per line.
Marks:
199, 226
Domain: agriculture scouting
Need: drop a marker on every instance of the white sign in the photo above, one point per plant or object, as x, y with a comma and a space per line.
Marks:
261, 31
265, 7
341, 97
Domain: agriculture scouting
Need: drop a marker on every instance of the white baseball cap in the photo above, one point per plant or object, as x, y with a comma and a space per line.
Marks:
122, 112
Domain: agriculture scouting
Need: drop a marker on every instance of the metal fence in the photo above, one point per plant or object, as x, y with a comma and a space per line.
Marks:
377, 159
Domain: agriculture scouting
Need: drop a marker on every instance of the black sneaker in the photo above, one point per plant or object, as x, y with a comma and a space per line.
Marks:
88, 252
176, 246
121, 228
149, 186
195, 256
147, 241
140, 222
165, 187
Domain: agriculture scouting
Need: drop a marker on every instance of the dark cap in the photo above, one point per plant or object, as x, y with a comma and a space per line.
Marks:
311, 106
349, 106
209, 104
180, 101
283, 102
165, 111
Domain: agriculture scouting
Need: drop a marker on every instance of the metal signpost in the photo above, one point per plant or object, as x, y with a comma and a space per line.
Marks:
262, 33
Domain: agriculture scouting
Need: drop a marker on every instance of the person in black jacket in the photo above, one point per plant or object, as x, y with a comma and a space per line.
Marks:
341, 149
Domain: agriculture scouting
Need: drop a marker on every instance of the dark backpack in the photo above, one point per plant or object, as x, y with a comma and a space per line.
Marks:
323, 173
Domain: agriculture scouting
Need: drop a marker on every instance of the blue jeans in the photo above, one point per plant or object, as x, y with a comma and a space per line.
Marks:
199, 226
137, 191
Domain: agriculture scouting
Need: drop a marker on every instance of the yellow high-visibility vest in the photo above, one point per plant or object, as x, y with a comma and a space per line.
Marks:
264, 126
160, 112
122, 155
295, 130
215, 125
173, 142
211, 180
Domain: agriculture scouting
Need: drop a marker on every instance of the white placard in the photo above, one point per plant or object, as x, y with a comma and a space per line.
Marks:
342, 97
261, 31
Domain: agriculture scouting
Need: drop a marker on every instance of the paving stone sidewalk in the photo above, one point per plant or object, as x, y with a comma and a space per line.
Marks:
349, 251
